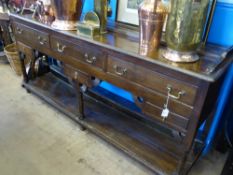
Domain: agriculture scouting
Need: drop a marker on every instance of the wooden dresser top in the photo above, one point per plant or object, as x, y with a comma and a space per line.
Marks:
213, 62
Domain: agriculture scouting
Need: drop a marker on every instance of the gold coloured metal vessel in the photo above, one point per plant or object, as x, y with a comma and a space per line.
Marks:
151, 18
67, 13
185, 28
101, 8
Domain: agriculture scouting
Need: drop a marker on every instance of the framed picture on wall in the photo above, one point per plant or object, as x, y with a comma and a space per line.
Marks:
127, 11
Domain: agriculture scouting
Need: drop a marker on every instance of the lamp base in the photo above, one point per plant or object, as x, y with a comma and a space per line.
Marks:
182, 57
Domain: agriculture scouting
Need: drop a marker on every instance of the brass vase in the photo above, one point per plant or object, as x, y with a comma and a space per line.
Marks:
151, 18
67, 13
185, 28
101, 8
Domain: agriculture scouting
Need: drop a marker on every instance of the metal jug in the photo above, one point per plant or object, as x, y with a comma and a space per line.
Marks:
67, 13
185, 28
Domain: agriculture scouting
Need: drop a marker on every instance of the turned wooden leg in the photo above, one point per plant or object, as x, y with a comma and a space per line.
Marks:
80, 99
22, 57
5, 34
81, 104
32, 71
82, 128
182, 169
79, 95
77, 87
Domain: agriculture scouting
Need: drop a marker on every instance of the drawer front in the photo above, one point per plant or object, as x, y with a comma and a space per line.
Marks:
85, 53
174, 120
42, 39
154, 112
31, 36
145, 96
82, 77
151, 79
28, 51
23, 33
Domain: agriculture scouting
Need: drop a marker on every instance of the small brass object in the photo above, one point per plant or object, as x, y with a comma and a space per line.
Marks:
90, 26
103, 10
165, 112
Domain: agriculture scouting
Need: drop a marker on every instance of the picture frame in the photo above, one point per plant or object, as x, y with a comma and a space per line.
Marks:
127, 11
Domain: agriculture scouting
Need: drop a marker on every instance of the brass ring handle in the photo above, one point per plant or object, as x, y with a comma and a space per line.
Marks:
19, 31
178, 96
42, 41
60, 48
120, 71
90, 60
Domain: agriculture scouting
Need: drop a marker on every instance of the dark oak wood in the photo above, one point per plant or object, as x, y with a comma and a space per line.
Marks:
76, 85
31, 36
79, 51
5, 31
210, 67
82, 77
165, 146
121, 130
22, 64
152, 79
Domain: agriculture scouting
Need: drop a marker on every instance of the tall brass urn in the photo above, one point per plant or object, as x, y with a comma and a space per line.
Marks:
67, 13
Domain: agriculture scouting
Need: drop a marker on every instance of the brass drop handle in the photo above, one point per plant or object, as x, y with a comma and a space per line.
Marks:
76, 75
60, 48
178, 96
18, 30
165, 112
41, 40
88, 59
120, 71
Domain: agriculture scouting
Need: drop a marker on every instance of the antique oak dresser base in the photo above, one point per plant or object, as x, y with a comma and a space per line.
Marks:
164, 143
112, 125
122, 131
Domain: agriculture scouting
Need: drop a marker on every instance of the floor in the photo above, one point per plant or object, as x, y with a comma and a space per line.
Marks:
37, 139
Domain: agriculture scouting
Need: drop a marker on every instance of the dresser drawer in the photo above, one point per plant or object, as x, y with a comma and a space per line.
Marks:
82, 77
159, 100
85, 53
31, 36
151, 79
23, 33
154, 112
